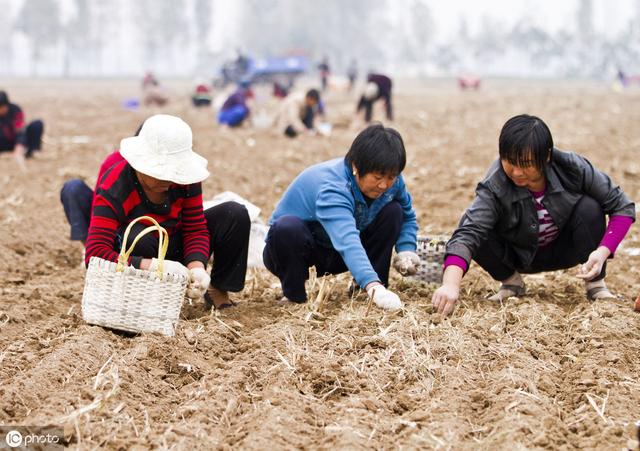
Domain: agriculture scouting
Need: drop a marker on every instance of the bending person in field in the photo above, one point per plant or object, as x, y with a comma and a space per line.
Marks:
347, 214
297, 113
236, 108
161, 177
15, 134
538, 209
378, 87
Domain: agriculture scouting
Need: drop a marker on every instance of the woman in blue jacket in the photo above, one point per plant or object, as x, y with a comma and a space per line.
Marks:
347, 214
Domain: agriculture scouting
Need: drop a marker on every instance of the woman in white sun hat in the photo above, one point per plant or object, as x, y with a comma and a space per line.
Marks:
161, 177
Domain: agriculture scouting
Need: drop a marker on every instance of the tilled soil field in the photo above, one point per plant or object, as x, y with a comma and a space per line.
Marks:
548, 370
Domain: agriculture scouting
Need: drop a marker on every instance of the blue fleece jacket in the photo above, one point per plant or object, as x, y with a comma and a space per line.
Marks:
327, 193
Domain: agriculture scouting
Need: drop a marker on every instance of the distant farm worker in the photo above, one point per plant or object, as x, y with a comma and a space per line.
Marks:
347, 214
236, 108
325, 71
15, 134
297, 112
280, 89
537, 209
149, 79
161, 177
378, 87
352, 73
201, 96
152, 92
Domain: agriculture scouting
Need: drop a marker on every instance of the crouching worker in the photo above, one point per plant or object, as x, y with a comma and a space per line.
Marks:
297, 113
538, 209
15, 134
161, 177
347, 214
236, 108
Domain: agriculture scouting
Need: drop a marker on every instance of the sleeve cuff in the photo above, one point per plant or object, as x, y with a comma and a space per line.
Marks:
616, 231
456, 261
196, 257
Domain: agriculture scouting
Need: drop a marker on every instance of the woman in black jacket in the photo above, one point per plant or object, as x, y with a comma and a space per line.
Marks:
538, 209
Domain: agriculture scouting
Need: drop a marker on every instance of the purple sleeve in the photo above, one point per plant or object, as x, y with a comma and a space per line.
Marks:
456, 261
616, 230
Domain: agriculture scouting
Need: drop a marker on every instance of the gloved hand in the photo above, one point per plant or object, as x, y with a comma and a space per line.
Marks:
383, 298
406, 263
198, 283
170, 267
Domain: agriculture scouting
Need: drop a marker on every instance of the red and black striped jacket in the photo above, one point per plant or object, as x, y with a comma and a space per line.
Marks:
119, 199
12, 128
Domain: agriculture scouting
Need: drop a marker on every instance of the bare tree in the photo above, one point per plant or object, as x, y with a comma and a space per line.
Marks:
6, 53
202, 10
40, 21
585, 20
163, 28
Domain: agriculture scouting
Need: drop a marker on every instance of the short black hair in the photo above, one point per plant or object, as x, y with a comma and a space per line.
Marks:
313, 94
4, 98
377, 149
526, 141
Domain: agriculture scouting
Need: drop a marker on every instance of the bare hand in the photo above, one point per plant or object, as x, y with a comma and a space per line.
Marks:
593, 266
19, 152
444, 299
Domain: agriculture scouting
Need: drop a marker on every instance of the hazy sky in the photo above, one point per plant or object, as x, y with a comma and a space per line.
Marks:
610, 16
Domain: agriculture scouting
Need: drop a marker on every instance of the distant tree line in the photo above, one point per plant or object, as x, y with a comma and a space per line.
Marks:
188, 37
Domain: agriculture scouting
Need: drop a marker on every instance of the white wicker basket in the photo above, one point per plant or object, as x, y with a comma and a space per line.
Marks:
135, 300
431, 251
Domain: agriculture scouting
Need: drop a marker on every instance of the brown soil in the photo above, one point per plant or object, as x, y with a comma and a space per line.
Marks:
550, 370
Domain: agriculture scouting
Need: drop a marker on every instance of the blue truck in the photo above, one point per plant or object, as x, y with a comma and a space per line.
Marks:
262, 70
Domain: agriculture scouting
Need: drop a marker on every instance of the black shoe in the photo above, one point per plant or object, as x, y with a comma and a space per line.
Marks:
354, 288
208, 303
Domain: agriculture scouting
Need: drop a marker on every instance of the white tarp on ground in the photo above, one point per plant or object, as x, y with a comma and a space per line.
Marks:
258, 228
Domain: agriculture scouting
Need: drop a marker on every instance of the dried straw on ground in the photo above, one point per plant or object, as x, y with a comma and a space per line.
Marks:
550, 370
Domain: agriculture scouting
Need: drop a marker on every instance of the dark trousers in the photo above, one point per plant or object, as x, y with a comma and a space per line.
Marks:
323, 82
31, 138
368, 106
229, 226
307, 120
580, 236
293, 246
76, 198
199, 101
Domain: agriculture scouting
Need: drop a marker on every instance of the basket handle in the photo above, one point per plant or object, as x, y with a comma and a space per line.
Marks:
163, 243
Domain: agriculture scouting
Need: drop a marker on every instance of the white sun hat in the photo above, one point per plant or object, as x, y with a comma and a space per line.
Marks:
163, 150
371, 90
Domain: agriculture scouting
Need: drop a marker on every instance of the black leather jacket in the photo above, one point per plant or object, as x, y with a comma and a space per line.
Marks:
509, 210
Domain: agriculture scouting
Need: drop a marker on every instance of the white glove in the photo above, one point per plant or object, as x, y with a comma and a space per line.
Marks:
384, 298
170, 267
406, 263
198, 283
